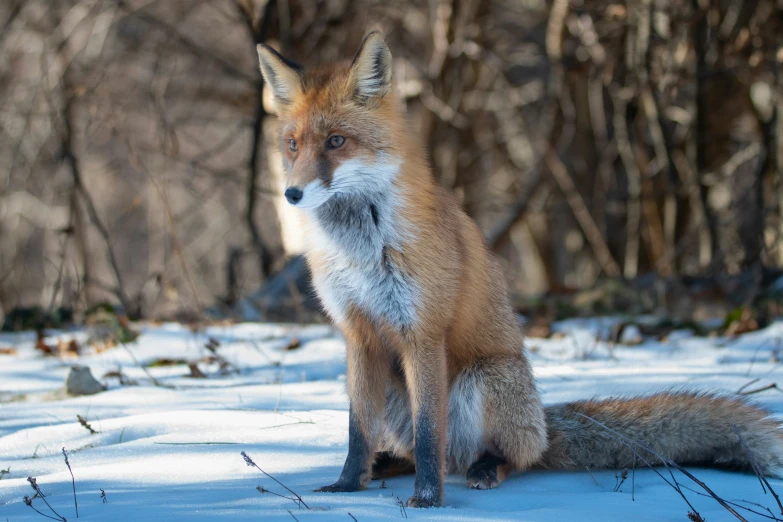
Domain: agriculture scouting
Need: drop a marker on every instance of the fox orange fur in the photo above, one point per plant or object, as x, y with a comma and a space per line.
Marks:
437, 375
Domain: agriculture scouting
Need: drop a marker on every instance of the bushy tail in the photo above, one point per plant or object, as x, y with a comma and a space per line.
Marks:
687, 428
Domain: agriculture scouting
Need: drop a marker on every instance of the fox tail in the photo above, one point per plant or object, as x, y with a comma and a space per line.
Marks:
694, 429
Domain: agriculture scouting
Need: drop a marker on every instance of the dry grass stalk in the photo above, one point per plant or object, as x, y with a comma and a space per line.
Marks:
249, 462
668, 464
757, 470
86, 425
39, 494
73, 481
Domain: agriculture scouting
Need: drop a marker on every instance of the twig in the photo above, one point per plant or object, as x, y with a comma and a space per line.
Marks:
69, 156
258, 35
757, 379
753, 359
555, 29
633, 219
86, 425
34, 484
765, 508
619, 480
263, 490
289, 512
353, 517
28, 501
73, 482
518, 210
771, 516
592, 476
229, 68
212, 346
582, 214
762, 479
443, 110
772, 386
701, 46
250, 462
403, 511
667, 464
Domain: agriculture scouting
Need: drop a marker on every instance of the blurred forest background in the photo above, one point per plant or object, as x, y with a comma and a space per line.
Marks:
627, 154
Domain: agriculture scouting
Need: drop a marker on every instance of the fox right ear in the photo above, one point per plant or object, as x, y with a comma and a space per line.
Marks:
371, 70
283, 76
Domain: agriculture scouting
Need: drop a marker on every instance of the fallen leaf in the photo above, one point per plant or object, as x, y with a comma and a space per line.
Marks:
68, 348
42, 347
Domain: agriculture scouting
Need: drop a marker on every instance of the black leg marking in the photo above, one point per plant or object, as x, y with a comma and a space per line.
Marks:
388, 465
355, 471
428, 490
487, 472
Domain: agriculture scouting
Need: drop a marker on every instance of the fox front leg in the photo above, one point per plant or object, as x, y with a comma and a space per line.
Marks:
425, 372
368, 372
357, 468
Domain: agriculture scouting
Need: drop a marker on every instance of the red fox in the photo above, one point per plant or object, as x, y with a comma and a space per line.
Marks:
437, 377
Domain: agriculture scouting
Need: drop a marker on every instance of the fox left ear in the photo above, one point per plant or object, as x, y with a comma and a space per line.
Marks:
371, 70
282, 75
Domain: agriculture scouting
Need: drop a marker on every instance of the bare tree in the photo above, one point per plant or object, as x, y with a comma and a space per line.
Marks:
588, 140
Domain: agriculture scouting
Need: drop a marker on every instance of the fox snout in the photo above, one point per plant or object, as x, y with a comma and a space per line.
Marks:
337, 126
293, 195
307, 195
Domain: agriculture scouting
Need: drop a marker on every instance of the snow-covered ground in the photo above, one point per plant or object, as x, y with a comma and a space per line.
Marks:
172, 452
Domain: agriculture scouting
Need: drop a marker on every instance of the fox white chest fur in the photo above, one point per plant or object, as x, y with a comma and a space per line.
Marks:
356, 233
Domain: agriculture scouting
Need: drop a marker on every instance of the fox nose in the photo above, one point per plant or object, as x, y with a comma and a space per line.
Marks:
293, 195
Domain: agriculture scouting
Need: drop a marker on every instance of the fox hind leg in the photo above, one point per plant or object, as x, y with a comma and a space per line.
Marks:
488, 472
388, 465
515, 429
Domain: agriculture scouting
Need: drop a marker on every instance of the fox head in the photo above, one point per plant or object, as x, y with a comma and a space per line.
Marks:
339, 126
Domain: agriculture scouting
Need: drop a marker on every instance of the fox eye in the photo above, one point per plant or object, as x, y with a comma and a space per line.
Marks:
335, 142
292, 146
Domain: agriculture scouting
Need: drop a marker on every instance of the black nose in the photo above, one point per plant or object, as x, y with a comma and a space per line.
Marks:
293, 195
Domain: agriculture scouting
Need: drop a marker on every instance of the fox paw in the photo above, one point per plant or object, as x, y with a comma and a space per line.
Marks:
486, 473
488, 480
417, 501
337, 488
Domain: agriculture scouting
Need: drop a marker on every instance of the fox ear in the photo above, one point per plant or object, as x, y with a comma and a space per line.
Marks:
371, 70
283, 76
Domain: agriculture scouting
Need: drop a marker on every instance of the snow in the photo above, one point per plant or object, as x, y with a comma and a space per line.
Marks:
172, 452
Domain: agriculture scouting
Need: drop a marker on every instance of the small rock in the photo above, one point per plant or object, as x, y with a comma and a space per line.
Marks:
81, 382
631, 335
